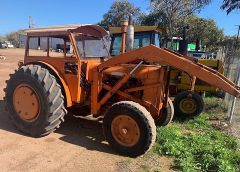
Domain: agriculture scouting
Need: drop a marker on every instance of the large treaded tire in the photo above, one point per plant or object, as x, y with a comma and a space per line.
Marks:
51, 100
143, 119
167, 115
195, 101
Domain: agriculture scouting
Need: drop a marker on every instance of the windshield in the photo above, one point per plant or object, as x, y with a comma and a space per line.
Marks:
92, 48
140, 41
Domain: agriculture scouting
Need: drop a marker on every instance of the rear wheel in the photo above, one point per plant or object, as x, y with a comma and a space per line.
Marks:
188, 104
166, 115
35, 101
129, 128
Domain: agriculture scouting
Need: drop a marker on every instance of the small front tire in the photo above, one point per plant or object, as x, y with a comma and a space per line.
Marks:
129, 128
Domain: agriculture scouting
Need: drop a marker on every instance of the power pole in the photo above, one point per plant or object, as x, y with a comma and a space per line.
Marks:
236, 46
238, 31
31, 22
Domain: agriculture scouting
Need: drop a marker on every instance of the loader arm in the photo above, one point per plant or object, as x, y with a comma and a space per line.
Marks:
154, 54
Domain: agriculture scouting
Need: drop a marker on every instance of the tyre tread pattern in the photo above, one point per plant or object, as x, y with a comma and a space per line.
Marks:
146, 116
53, 95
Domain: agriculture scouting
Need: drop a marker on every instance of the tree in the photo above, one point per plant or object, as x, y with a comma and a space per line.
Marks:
205, 30
13, 37
230, 5
119, 10
168, 13
2, 38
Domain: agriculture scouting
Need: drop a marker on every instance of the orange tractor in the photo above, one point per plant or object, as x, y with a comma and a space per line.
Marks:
129, 94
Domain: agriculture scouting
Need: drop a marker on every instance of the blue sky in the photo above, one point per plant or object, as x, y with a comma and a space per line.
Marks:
15, 13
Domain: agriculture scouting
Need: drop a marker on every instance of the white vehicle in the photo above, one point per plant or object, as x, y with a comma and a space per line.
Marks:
3, 45
9, 44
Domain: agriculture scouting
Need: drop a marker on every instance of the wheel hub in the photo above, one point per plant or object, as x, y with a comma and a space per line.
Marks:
26, 102
188, 105
125, 130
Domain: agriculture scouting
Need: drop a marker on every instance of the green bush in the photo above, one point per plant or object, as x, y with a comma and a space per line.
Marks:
215, 105
200, 149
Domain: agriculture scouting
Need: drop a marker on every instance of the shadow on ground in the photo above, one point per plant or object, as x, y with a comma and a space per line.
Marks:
84, 132
5, 123
77, 131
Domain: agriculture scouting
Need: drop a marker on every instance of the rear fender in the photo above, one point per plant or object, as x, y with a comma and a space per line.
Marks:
60, 80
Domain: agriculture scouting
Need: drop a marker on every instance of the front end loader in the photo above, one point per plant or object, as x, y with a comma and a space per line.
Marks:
188, 101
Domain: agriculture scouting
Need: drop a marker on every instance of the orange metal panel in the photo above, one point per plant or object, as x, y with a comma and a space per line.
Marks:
58, 64
148, 105
60, 76
155, 94
142, 87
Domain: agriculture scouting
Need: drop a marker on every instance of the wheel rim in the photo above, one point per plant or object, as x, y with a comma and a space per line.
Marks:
26, 102
125, 130
188, 105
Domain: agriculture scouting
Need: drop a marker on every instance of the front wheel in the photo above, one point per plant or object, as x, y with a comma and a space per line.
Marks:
129, 128
188, 104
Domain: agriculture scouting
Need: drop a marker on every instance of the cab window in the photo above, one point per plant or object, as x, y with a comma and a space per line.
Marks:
56, 47
92, 48
140, 40
117, 44
47, 47
157, 39
38, 46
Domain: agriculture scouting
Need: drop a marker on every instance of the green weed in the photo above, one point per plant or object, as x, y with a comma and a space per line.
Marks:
214, 105
197, 146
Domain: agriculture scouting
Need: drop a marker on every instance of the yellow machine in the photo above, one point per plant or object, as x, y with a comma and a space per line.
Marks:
180, 81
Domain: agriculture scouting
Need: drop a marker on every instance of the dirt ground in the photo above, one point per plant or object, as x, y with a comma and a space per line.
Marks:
78, 145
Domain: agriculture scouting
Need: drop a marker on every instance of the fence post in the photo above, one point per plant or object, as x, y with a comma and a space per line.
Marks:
232, 106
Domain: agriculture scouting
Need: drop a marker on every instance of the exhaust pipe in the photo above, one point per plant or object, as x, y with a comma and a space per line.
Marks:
130, 35
124, 35
127, 35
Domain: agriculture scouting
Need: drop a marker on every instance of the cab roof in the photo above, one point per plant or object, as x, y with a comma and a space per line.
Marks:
117, 30
93, 30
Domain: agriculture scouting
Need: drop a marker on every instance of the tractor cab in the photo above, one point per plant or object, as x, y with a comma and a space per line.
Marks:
55, 41
64, 50
143, 36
